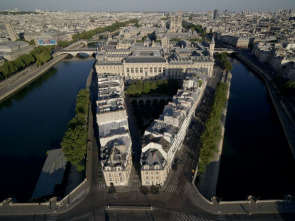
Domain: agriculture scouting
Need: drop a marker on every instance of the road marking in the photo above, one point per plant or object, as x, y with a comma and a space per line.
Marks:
51, 217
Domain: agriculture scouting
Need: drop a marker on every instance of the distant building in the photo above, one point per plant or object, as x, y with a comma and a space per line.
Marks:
11, 33
176, 23
216, 14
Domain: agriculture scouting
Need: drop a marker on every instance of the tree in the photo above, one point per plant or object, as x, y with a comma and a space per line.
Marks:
154, 189
74, 143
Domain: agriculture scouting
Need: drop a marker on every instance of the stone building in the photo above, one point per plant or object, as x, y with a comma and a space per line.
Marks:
164, 136
176, 22
114, 137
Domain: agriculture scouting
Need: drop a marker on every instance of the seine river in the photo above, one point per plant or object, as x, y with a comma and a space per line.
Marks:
256, 159
35, 120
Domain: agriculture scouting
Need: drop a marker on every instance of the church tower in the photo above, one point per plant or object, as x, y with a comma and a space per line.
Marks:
212, 47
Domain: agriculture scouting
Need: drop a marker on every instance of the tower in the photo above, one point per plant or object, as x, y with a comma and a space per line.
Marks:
216, 14
10, 31
212, 47
176, 22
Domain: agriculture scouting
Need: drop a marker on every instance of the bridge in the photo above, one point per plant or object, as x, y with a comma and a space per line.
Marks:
74, 52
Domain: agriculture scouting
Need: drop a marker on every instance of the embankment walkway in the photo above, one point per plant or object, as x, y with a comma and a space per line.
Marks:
208, 182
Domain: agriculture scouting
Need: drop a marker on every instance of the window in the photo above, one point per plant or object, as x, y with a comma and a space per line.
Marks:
110, 178
146, 177
127, 70
157, 177
146, 172
132, 70
159, 69
141, 70
157, 172
155, 70
151, 70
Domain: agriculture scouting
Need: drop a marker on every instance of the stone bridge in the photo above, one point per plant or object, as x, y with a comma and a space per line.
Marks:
145, 100
74, 52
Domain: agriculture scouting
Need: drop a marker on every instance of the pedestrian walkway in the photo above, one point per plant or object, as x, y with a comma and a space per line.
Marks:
185, 217
174, 188
99, 187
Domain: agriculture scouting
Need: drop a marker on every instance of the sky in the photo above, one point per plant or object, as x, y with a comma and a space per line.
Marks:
147, 5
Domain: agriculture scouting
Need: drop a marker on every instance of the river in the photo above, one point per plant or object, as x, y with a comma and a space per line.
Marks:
256, 159
33, 121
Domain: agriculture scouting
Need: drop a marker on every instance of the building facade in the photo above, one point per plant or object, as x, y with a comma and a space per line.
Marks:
164, 136
114, 137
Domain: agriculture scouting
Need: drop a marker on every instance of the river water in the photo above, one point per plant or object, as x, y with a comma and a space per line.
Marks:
35, 120
256, 159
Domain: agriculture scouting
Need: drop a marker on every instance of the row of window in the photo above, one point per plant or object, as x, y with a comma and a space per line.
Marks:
147, 172
140, 70
147, 177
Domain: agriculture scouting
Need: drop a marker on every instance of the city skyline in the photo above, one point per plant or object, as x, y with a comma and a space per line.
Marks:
152, 5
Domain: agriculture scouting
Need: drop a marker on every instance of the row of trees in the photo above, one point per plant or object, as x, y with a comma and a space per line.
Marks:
212, 134
111, 28
74, 144
145, 87
39, 55
222, 57
89, 34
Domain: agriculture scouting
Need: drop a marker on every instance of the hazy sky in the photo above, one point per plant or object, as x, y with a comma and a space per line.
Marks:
147, 5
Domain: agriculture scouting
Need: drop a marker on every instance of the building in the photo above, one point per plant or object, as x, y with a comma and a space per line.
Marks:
216, 14
12, 50
11, 33
114, 137
164, 136
139, 62
176, 22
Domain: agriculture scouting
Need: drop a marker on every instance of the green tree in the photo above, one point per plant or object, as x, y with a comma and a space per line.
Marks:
74, 143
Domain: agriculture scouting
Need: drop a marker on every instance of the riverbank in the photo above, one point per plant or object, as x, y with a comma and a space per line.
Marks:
208, 183
18, 81
279, 104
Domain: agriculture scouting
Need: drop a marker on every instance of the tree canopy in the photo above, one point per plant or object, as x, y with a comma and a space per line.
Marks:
212, 134
222, 57
197, 28
74, 143
139, 87
38, 55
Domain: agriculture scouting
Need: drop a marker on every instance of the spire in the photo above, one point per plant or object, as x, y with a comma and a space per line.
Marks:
212, 40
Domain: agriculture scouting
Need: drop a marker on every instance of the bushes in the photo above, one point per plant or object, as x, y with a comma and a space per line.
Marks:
212, 133
161, 86
222, 57
74, 141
